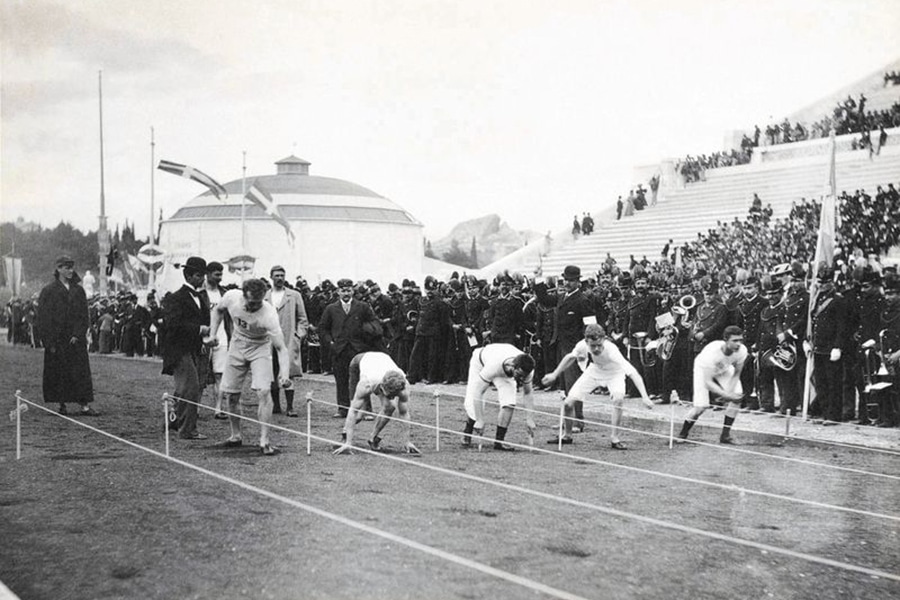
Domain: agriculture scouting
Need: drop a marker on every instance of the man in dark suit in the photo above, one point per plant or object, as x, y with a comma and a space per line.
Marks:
572, 307
186, 315
348, 327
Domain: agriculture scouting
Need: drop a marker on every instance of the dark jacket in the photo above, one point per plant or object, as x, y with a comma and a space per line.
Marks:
183, 320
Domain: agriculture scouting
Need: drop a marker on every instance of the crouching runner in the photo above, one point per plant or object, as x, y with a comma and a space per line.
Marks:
505, 367
374, 373
607, 368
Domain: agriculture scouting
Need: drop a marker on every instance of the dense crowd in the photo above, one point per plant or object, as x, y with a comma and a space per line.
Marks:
891, 78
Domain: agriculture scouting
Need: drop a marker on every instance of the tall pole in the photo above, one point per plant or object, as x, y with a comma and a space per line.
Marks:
102, 232
151, 268
243, 211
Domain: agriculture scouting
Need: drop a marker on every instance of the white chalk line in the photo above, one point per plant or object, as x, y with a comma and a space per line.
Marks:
485, 568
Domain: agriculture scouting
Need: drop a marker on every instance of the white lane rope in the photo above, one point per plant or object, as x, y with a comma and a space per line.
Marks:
442, 554
537, 586
577, 457
664, 436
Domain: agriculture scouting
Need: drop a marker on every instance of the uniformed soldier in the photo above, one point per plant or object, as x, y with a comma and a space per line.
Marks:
870, 305
643, 308
748, 314
794, 328
710, 318
829, 330
458, 351
425, 359
889, 406
770, 319
504, 316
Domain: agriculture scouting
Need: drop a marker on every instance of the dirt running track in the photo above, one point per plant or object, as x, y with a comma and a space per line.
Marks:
86, 516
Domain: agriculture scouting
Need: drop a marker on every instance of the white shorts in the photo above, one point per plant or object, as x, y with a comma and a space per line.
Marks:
701, 393
255, 358
476, 387
591, 380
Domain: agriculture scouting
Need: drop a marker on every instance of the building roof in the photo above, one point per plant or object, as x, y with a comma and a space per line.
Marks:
299, 196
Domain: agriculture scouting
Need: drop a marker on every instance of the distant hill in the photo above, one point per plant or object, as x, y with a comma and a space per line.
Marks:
494, 239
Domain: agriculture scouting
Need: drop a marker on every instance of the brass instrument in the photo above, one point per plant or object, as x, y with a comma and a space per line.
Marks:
667, 341
686, 303
646, 348
783, 356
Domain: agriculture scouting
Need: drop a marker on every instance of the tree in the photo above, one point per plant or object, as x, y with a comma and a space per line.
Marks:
428, 251
456, 256
473, 254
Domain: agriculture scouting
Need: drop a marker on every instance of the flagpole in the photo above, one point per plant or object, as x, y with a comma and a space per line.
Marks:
825, 245
243, 210
152, 278
102, 231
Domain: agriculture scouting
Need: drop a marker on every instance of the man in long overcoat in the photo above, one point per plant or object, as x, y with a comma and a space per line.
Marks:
63, 323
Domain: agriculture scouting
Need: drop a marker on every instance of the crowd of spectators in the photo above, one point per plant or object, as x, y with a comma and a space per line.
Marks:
869, 225
892, 78
848, 116
693, 168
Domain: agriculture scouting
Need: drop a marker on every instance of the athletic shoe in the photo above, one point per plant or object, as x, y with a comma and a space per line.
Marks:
726, 439
233, 442
87, 411
291, 413
268, 450
220, 416
618, 446
63, 410
193, 436
503, 447
375, 444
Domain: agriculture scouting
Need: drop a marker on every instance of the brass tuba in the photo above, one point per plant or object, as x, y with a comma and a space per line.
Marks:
685, 305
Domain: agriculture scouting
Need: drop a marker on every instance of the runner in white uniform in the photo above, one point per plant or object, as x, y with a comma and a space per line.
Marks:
717, 370
607, 368
505, 367
218, 354
375, 373
255, 332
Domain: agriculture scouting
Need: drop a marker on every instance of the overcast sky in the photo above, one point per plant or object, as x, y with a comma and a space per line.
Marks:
533, 110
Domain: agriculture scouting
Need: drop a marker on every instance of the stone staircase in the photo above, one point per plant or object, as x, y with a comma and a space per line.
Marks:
725, 194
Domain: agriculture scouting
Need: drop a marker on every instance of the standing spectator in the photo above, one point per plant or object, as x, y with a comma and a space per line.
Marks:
619, 206
186, 314
347, 327
63, 324
106, 330
292, 318
576, 227
654, 189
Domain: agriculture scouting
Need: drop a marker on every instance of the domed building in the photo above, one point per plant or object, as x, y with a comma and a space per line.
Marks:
339, 229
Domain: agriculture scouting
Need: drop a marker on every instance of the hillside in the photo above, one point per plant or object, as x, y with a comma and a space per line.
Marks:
494, 239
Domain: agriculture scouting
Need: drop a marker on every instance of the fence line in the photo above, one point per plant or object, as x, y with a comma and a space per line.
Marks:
536, 586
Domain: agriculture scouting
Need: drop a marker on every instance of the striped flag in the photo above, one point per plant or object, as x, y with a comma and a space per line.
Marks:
258, 196
196, 174
824, 256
